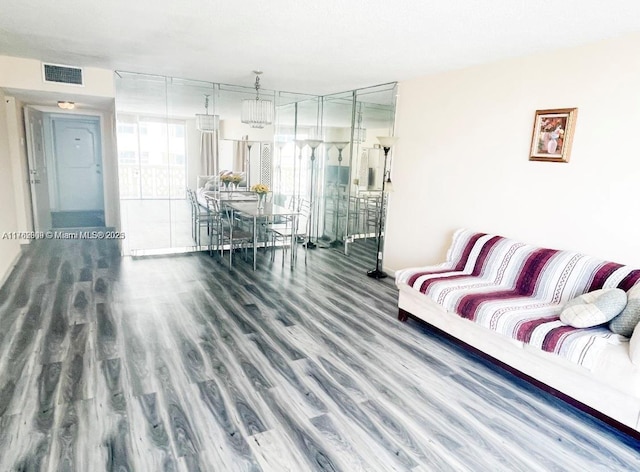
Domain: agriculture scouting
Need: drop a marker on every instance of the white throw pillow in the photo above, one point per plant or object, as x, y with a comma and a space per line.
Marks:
211, 184
202, 180
626, 321
594, 308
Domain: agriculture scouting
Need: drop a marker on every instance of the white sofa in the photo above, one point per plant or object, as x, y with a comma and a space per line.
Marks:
503, 298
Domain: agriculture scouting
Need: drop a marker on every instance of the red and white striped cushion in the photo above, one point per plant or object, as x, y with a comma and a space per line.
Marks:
519, 290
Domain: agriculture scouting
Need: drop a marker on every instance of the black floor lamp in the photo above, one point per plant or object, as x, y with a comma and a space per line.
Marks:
386, 142
313, 144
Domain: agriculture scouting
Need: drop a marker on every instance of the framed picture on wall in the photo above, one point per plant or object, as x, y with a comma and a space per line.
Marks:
553, 134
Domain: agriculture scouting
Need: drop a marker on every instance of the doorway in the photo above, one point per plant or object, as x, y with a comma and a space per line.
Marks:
65, 169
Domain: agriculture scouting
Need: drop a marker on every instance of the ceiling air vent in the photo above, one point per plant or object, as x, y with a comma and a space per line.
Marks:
60, 74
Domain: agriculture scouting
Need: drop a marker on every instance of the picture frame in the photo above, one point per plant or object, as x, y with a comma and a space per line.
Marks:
553, 135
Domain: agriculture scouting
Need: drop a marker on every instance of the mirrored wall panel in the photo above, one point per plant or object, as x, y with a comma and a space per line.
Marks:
177, 137
338, 119
374, 115
353, 164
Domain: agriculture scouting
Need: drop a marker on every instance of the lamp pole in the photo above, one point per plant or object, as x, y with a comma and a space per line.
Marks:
248, 163
378, 273
313, 144
336, 198
297, 172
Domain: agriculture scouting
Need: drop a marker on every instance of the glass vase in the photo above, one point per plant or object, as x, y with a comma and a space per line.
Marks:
261, 199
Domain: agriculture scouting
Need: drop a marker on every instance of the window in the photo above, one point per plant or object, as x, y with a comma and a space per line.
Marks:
127, 157
126, 128
176, 159
160, 170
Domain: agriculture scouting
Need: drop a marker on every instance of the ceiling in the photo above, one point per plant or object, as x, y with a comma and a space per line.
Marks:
316, 47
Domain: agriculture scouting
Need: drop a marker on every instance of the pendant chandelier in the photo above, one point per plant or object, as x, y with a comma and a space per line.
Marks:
207, 123
257, 112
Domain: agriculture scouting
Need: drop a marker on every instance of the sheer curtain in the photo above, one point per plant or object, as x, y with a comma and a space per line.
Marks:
209, 153
240, 155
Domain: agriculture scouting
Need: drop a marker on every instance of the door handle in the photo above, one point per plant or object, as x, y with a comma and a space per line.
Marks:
37, 181
98, 172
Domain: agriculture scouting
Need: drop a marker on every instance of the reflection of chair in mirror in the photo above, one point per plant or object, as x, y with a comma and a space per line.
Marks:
357, 215
364, 209
291, 228
245, 222
200, 217
354, 215
372, 213
226, 231
215, 229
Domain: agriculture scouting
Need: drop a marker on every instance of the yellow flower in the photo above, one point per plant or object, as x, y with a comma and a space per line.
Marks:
260, 188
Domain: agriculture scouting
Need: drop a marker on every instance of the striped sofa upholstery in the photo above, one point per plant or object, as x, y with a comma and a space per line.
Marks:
519, 290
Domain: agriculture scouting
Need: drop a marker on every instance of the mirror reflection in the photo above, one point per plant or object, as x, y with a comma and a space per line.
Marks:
179, 137
353, 199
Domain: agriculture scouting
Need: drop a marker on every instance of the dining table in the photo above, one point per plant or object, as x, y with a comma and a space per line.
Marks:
227, 196
267, 212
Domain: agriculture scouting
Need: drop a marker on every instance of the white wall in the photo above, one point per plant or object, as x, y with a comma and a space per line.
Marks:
26, 74
18, 157
109, 156
9, 248
110, 167
462, 157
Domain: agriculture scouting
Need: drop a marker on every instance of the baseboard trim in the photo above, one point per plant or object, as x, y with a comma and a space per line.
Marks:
619, 427
11, 267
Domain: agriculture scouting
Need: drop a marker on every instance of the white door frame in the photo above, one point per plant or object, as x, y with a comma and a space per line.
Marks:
35, 133
51, 153
41, 202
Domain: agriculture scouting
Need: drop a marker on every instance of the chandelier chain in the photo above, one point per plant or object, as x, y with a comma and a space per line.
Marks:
257, 86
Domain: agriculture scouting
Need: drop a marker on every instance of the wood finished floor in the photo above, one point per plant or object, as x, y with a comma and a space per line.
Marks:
178, 363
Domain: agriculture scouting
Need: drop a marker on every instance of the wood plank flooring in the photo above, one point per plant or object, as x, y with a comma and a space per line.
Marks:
181, 364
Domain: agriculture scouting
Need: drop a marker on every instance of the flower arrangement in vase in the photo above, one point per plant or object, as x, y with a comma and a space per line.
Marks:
231, 180
236, 179
226, 179
261, 190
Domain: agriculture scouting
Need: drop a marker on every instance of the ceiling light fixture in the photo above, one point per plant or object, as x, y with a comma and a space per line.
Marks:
257, 112
65, 105
207, 123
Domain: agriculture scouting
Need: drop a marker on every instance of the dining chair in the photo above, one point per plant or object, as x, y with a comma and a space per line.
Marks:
200, 217
293, 228
227, 231
373, 211
215, 230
